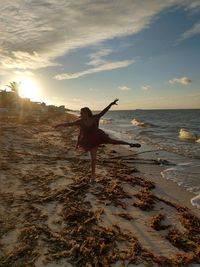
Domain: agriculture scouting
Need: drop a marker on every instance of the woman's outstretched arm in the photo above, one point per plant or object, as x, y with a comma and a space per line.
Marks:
107, 108
66, 124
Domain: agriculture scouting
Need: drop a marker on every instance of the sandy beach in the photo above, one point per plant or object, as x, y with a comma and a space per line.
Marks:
51, 215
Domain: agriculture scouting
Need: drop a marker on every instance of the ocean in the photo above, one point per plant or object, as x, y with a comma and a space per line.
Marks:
176, 132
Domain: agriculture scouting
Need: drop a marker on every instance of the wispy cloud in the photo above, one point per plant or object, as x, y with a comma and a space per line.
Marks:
35, 33
124, 88
97, 58
182, 80
145, 87
24, 60
100, 64
104, 67
191, 32
188, 4
26, 73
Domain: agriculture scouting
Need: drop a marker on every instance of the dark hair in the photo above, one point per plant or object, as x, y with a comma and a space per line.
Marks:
88, 111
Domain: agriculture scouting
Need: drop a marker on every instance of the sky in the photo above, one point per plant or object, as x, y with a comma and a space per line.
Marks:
87, 53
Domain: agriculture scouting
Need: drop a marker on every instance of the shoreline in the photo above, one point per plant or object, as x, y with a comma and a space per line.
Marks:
128, 216
173, 161
168, 188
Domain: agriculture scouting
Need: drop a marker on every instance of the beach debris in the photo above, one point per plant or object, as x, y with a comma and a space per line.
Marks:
81, 238
18, 257
164, 162
191, 224
138, 180
146, 200
181, 241
186, 259
125, 216
156, 222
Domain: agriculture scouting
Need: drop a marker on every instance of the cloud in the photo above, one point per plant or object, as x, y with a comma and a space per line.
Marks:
193, 31
188, 4
182, 80
100, 64
34, 34
96, 58
145, 87
124, 88
104, 67
24, 60
26, 73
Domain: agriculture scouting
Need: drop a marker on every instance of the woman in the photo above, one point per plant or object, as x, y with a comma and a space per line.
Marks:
90, 136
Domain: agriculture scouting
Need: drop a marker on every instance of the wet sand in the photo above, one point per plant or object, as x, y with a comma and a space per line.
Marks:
51, 215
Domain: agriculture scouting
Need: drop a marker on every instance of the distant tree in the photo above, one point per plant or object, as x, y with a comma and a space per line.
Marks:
14, 86
10, 99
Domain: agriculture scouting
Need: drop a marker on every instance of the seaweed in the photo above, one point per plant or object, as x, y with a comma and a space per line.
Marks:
146, 201
156, 220
179, 240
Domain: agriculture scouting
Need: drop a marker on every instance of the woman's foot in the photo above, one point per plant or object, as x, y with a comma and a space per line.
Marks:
135, 145
92, 179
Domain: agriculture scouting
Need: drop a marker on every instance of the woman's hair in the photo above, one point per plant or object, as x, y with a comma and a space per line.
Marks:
88, 111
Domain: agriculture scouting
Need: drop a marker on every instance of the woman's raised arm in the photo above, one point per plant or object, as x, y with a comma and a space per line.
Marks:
108, 107
66, 124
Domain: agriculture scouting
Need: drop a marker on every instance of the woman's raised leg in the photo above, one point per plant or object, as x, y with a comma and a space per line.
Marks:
120, 142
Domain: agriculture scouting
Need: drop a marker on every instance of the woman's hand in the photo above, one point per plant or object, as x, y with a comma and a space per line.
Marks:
115, 101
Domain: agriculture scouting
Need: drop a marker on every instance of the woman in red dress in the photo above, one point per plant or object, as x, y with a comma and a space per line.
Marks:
90, 136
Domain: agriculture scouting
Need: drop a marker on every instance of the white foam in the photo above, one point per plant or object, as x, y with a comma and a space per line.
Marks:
106, 121
186, 175
198, 140
187, 135
196, 201
137, 122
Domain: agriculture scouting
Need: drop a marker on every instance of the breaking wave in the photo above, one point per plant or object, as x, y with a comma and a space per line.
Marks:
106, 121
184, 134
139, 123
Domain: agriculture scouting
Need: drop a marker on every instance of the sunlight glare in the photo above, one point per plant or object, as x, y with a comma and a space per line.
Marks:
28, 88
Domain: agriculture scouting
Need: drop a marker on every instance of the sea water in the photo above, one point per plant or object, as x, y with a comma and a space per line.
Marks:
175, 131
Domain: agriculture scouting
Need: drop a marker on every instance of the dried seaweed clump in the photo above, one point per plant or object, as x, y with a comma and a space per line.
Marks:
27, 251
113, 192
156, 220
133, 252
77, 214
96, 247
180, 241
34, 214
7, 198
136, 180
192, 225
152, 258
146, 200
6, 224
22, 256
125, 216
184, 259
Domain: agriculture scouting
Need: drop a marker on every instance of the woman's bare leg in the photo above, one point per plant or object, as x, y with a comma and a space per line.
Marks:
120, 142
93, 154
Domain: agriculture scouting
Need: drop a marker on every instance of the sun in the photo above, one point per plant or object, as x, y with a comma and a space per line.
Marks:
28, 88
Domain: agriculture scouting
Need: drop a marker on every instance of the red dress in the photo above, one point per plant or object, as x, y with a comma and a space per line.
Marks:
91, 136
